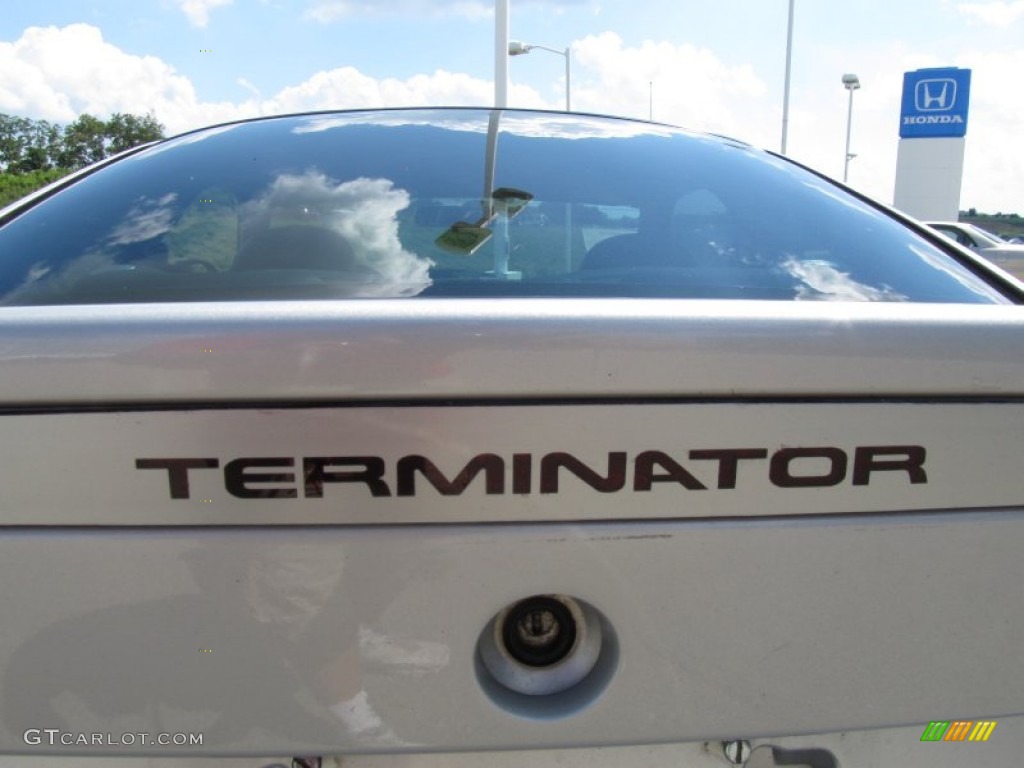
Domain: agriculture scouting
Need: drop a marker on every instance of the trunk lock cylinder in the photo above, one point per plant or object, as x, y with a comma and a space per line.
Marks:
539, 631
546, 655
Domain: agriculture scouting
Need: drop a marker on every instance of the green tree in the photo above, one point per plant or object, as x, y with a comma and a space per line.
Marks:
28, 145
89, 139
10, 148
84, 142
37, 145
35, 152
125, 131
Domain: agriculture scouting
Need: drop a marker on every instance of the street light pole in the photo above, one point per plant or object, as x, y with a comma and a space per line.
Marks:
851, 83
566, 54
501, 44
785, 91
517, 48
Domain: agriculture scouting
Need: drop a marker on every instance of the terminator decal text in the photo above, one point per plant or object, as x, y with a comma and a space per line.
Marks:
720, 468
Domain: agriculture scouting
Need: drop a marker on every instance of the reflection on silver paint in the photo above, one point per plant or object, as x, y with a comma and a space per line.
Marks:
707, 655
409, 654
287, 585
243, 638
530, 348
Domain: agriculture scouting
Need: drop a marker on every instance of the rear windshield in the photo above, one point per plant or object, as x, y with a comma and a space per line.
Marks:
470, 203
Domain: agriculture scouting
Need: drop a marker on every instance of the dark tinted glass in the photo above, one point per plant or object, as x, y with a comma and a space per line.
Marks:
462, 203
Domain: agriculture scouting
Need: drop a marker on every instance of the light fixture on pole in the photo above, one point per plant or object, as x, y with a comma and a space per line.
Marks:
518, 48
851, 83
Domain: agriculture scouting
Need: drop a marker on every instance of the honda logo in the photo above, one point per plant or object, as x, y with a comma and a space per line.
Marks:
937, 95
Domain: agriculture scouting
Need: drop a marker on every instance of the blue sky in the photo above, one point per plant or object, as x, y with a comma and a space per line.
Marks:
715, 66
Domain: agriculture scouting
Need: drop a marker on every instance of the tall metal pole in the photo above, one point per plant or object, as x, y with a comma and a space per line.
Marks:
789, 65
849, 125
501, 54
567, 109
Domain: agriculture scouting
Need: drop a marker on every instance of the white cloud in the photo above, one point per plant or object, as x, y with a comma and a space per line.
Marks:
994, 161
691, 86
198, 11
249, 87
347, 87
996, 14
58, 73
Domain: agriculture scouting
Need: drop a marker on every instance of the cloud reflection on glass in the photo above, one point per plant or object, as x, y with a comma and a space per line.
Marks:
362, 211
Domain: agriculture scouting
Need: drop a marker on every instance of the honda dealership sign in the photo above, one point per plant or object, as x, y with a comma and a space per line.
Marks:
935, 103
933, 132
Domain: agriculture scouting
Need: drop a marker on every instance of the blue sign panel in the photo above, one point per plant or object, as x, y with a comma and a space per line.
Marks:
935, 103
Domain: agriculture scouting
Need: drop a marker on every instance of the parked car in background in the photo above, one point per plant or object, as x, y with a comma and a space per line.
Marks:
445, 431
976, 239
1006, 254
